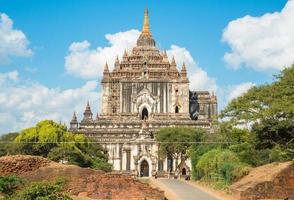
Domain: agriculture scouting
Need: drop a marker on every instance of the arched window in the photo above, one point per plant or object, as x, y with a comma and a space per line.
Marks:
177, 109
144, 113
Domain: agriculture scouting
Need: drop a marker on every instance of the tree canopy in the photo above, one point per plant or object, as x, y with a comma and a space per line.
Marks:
274, 100
52, 140
175, 141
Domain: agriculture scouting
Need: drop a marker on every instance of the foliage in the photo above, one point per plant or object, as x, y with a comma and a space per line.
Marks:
277, 154
274, 100
47, 134
196, 152
52, 140
175, 141
42, 191
6, 146
221, 166
271, 132
9, 184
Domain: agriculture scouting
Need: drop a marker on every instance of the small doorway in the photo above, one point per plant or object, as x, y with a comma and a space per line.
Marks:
184, 171
144, 113
144, 169
177, 109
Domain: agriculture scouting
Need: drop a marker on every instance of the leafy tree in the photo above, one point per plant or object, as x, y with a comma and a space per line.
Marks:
274, 100
9, 184
270, 132
6, 146
52, 140
175, 141
270, 111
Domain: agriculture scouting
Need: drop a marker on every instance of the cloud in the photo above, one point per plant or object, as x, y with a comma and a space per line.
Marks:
239, 90
82, 61
262, 43
13, 42
23, 102
199, 79
228, 93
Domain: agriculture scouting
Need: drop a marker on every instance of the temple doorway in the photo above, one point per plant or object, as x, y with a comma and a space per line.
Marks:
144, 113
177, 109
144, 169
184, 172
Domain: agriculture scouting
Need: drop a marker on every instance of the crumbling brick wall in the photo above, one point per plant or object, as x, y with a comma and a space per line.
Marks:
273, 181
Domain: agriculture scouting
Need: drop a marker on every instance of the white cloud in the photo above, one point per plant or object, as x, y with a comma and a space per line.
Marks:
199, 79
262, 43
13, 42
239, 90
82, 61
228, 93
23, 102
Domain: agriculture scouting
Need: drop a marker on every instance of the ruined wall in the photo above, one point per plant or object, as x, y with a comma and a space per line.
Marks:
272, 181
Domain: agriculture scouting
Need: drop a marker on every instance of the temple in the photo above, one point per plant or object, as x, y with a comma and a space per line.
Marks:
143, 93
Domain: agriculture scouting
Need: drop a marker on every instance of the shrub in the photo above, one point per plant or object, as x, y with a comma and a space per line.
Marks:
277, 154
9, 184
42, 191
221, 166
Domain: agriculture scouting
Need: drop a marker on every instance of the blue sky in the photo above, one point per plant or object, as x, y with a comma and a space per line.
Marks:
197, 27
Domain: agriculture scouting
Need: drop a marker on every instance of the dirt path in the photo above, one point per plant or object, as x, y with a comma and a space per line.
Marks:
183, 190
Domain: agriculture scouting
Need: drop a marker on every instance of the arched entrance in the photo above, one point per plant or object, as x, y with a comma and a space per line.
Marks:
177, 109
184, 171
144, 113
144, 168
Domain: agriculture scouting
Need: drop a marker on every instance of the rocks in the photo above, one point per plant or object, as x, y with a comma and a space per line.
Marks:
21, 164
82, 183
272, 181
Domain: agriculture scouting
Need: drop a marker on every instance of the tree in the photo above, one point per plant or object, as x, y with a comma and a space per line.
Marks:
274, 101
271, 132
6, 146
175, 141
269, 109
52, 140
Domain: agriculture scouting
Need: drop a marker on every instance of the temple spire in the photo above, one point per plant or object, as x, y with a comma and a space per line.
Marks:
184, 71
74, 122
106, 70
145, 29
173, 62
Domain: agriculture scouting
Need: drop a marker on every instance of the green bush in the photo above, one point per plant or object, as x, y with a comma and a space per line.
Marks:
195, 153
221, 166
42, 191
277, 154
9, 184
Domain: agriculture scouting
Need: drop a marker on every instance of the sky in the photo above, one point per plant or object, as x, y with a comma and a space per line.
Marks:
52, 52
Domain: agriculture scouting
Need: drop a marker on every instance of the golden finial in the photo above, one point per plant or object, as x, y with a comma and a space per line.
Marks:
145, 29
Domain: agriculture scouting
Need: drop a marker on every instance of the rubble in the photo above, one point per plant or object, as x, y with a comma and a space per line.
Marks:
271, 181
81, 182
